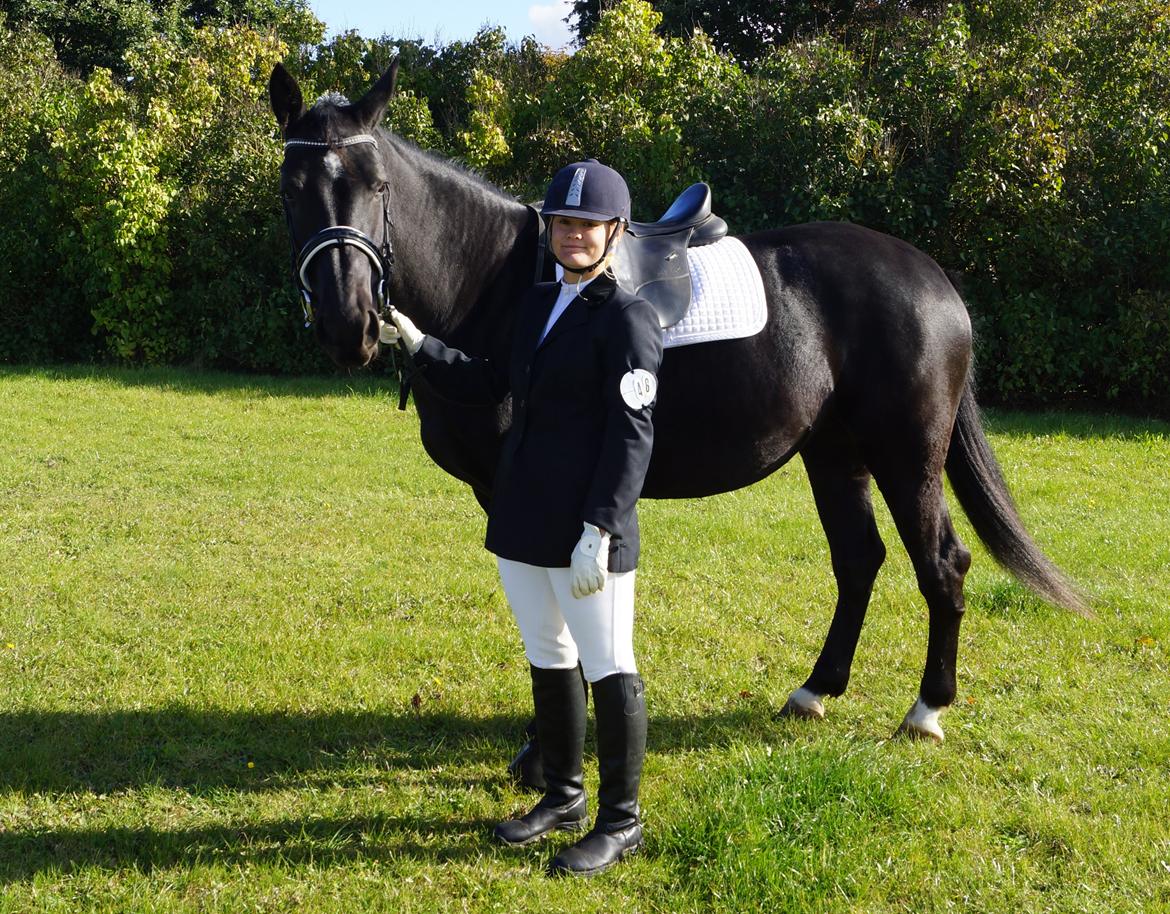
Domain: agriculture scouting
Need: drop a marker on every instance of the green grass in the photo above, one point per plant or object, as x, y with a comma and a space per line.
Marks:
254, 658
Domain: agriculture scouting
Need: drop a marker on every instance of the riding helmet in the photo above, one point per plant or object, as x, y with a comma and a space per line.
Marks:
588, 190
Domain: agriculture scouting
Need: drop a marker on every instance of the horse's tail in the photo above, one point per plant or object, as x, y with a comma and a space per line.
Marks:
979, 484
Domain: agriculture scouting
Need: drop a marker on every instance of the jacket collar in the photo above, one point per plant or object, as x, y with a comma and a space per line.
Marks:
597, 293
600, 290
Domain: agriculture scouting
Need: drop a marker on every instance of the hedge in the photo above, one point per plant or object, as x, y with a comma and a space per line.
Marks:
1024, 144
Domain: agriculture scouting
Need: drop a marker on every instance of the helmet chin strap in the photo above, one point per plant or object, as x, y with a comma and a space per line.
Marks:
581, 271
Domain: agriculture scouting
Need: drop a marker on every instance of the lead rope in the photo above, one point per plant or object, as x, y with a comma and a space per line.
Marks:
406, 369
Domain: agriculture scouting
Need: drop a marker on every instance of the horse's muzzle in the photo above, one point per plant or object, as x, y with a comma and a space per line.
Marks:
353, 344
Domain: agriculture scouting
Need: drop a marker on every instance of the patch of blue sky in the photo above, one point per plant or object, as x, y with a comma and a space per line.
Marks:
443, 21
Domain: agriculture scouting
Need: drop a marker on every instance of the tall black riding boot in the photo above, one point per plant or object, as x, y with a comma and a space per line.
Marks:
559, 698
620, 706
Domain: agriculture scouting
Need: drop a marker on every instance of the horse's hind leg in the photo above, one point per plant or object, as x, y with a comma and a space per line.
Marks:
841, 489
940, 562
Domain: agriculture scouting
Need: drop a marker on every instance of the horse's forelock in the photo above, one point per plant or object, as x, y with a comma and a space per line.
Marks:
331, 98
329, 117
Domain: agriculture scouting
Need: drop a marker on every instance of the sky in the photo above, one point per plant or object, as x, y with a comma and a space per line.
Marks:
447, 20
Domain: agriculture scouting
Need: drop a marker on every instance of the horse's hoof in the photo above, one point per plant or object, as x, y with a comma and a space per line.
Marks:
804, 704
527, 768
921, 722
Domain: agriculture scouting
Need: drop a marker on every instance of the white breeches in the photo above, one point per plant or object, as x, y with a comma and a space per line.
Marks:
559, 630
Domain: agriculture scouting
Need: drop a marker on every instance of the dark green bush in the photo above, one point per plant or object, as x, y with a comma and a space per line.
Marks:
44, 313
1022, 143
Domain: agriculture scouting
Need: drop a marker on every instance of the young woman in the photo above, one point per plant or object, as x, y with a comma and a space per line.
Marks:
562, 520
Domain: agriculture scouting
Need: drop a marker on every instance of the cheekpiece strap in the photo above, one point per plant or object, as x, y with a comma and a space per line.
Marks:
541, 244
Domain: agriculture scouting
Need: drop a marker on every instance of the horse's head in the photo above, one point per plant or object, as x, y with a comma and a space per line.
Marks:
333, 183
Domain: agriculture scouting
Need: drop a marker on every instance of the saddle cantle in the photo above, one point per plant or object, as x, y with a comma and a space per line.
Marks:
651, 261
692, 209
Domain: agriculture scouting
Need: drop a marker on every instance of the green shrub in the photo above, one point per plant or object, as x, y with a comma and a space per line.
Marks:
1025, 144
618, 99
43, 306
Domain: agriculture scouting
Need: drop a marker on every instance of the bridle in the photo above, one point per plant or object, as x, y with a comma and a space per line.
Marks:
381, 256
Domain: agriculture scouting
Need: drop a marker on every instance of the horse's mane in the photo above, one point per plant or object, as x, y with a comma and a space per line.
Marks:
330, 110
452, 167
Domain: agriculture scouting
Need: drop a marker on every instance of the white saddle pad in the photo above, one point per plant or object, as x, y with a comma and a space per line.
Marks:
727, 296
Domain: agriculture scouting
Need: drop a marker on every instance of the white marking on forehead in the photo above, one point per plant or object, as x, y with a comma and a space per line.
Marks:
333, 164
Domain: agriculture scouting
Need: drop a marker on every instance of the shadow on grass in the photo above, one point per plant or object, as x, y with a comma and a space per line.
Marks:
204, 751
200, 750
197, 749
317, 842
1076, 424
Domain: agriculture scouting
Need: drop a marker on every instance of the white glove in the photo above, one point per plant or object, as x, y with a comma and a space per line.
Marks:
590, 562
403, 328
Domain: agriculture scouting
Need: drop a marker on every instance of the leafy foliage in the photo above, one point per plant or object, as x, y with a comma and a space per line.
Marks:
1025, 144
88, 34
42, 308
749, 29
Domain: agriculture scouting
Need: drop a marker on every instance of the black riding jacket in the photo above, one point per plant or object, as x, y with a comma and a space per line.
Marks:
578, 448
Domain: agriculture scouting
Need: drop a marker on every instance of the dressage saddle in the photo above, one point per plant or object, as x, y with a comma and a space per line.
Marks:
651, 261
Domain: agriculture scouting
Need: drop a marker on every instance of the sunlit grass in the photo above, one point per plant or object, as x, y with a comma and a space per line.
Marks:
253, 657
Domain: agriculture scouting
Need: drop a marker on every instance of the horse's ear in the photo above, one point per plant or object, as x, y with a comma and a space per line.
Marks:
285, 95
372, 105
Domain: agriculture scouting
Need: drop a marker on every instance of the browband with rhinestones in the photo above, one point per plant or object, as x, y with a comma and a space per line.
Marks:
348, 141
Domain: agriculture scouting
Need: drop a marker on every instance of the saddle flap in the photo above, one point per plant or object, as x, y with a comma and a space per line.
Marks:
655, 268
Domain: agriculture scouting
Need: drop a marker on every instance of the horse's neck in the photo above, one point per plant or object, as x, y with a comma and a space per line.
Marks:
463, 251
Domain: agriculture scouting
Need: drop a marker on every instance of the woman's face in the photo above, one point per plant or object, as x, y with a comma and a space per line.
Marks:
578, 242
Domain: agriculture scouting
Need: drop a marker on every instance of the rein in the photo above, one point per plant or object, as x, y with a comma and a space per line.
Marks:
381, 256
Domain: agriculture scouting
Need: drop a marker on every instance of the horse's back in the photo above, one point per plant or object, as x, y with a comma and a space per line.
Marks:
894, 329
869, 289
860, 325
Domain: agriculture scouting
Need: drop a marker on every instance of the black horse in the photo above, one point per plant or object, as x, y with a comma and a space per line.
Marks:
863, 368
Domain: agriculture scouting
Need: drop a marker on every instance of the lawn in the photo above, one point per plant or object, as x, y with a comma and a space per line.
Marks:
254, 658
